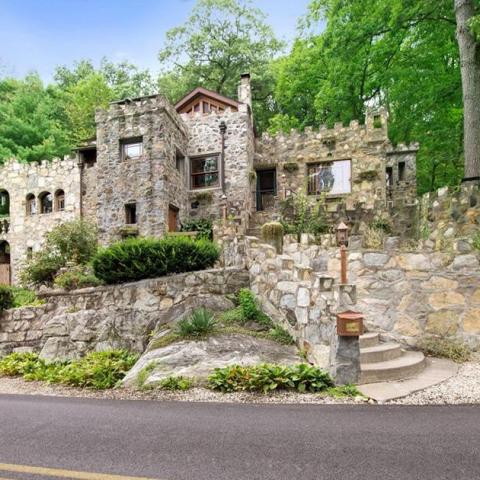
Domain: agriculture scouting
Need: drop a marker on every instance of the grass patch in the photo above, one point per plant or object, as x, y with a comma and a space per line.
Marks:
23, 297
198, 324
175, 384
97, 370
452, 349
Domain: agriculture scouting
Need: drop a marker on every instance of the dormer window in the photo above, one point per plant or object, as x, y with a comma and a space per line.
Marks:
132, 148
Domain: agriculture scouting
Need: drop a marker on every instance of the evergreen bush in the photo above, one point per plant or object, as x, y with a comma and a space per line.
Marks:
6, 298
139, 258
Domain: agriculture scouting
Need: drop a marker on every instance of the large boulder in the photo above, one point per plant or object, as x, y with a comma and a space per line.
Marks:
197, 359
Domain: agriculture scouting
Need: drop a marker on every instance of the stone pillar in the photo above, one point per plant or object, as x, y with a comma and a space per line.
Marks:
345, 359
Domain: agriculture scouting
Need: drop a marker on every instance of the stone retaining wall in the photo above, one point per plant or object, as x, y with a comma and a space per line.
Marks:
119, 316
407, 294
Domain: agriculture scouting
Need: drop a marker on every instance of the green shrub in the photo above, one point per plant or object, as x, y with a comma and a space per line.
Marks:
476, 241
6, 298
23, 297
71, 242
75, 278
248, 304
198, 323
280, 335
97, 370
266, 378
445, 348
201, 225
139, 258
176, 383
383, 224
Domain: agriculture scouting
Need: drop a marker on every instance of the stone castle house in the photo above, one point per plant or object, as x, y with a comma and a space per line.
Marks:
153, 165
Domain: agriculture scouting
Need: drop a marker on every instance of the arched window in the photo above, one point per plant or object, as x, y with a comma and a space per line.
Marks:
46, 202
4, 203
31, 204
59, 201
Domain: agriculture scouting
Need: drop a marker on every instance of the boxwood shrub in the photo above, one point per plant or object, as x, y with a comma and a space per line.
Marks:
6, 298
139, 258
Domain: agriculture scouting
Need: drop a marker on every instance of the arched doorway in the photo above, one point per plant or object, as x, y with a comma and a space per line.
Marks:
5, 275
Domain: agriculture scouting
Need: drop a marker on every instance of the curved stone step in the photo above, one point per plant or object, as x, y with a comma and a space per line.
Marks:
405, 366
380, 353
369, 339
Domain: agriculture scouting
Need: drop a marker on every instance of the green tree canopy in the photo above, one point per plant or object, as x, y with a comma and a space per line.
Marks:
221, 40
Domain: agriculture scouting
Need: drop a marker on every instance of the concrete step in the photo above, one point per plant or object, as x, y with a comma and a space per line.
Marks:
380, 353
405, 366
369, 339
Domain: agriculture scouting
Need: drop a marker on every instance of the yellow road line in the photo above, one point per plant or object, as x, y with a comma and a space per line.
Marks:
59, 472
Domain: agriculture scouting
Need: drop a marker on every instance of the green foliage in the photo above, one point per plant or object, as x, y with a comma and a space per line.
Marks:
76, 277
395, 53
344, 391
301, 213
71, 242
6, 298
476, 241
280, 335
382, 223
97, 370
201, 225
23, 297
266, 378
139, 258
176, 383
248, 305
445, 348
242, 42
199, 323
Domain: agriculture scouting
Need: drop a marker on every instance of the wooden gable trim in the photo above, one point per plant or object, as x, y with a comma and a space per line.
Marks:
202, 95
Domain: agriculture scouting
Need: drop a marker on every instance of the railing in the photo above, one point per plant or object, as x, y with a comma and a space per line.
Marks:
4, 225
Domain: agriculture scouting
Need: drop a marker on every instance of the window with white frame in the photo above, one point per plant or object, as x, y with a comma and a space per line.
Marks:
131, 148
332, 178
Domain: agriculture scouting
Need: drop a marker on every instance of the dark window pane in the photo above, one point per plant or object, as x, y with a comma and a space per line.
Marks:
205, 180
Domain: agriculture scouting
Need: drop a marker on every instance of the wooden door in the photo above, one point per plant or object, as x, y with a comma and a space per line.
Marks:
172, 219
4, 274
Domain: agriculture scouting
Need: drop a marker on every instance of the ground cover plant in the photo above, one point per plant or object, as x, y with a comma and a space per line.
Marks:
97, 370
267, 377
140, 258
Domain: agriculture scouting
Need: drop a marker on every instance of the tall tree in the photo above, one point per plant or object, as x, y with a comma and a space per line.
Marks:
221, 40
468, 23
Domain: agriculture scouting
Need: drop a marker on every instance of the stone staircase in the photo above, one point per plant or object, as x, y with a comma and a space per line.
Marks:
257, 219
386, 361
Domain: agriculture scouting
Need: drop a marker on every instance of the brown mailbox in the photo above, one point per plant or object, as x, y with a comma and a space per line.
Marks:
349, 324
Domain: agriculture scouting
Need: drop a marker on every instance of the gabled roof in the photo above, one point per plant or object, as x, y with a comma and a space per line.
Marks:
203, 92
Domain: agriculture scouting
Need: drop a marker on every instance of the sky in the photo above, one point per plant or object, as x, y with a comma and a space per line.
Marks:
37, 35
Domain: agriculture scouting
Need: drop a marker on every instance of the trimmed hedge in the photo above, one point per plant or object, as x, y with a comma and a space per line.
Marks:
139, 258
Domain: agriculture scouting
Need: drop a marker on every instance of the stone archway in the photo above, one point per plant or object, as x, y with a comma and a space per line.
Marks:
5, 270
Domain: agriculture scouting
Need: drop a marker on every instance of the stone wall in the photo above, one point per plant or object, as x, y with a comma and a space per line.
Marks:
204, 137
152, 181
25, 232
449, 219
369, 151
119, 316
407, 294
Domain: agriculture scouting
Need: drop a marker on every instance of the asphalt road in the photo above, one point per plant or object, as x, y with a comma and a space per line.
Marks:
180, 441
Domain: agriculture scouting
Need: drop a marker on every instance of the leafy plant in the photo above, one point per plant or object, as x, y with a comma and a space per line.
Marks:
373, 238
71, 242
445, 348
201, 225
382, 223
280, 335
248, 304
6, 298
77, 277
476, 241
23, 297
139, 258
198, 323
176, 383
266, 378
97, 370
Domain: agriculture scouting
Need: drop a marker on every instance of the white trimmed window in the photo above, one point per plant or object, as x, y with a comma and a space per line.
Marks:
332, 178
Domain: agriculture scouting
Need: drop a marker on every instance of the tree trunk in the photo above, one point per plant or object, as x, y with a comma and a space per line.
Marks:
470, 69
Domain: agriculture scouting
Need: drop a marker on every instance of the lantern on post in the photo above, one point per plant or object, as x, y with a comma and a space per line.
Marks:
342, 234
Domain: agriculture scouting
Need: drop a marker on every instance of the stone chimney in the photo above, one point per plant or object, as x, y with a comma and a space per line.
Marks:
245, 90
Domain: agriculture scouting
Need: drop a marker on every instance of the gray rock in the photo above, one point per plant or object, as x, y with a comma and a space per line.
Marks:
375, 259
199, 359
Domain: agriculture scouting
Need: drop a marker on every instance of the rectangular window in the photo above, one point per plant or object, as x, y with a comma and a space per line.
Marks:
333, 178
389, 176
401, 171
204, 171
132, 148
131, 213
180, 162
